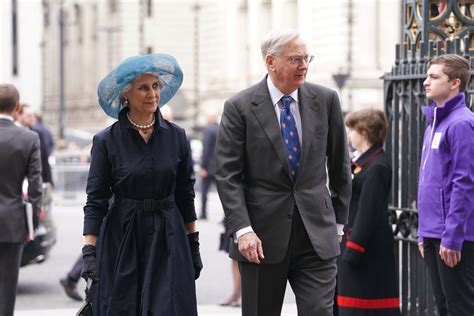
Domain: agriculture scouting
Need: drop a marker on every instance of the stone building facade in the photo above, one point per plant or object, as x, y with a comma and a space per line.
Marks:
20, 48
217, 44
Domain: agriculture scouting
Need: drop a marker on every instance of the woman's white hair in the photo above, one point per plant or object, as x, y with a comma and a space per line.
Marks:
276, 40
128, 87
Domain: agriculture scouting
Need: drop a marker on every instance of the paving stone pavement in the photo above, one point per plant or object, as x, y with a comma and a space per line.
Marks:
204, 310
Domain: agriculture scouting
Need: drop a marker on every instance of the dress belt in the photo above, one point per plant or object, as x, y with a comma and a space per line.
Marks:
148, 205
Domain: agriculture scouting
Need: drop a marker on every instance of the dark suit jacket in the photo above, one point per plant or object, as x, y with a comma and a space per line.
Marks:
19, 159
47, 136
253, 178
209, 148
46, 174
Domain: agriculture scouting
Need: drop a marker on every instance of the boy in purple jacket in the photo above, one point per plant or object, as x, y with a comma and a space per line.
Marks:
446, 187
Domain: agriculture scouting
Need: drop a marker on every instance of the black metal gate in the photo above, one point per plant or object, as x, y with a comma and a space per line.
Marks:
430, 28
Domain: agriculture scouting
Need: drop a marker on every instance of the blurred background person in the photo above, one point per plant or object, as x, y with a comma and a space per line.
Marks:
27, 118
148, 246
45, 133
367, 274
234, 299
207, 160
69, 282
19, 159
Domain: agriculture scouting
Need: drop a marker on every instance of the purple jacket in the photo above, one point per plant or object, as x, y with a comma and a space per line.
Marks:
446, 182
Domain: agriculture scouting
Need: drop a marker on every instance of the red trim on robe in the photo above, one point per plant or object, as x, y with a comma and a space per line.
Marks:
350, 244
344, 301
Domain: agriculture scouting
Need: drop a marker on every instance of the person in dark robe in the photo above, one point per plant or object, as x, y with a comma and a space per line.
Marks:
141, 249
207, 162
367, 283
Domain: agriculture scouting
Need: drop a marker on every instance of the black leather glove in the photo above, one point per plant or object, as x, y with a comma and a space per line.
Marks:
193, 240
89, 267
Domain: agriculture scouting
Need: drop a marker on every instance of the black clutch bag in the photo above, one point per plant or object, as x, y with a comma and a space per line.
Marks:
224, 242
86, 308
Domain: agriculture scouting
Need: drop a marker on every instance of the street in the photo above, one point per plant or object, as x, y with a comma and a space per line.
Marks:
39, 289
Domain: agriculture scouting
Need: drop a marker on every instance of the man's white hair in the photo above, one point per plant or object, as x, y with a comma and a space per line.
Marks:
275, 41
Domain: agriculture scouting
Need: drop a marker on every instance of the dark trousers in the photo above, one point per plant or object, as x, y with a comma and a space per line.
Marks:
10, 258
312, 279
75, 272
205, 185
453, 287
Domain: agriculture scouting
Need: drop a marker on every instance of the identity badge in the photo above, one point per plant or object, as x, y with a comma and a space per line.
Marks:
436, 140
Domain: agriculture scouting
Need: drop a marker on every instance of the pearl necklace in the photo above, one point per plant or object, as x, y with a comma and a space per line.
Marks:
141, 127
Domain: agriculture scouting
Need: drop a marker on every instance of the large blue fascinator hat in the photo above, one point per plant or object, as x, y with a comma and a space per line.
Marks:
165, 67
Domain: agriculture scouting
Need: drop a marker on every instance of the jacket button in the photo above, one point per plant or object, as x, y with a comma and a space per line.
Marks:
290, 216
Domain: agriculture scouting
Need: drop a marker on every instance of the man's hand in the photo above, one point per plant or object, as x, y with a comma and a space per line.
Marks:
421, 248
339, 238
449, 256
203, 173
250, 246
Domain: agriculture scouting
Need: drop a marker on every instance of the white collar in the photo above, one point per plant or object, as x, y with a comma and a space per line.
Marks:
6, 117
276, 94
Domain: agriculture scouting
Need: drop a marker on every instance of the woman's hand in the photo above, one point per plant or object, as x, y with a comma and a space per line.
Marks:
193, 239
89, 266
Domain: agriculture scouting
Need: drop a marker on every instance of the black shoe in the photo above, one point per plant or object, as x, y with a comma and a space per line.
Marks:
232, 302
70, 289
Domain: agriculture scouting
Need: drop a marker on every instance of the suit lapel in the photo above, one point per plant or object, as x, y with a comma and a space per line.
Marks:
265, 113
309, 108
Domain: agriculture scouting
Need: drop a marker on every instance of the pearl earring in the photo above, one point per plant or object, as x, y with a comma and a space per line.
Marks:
126, 101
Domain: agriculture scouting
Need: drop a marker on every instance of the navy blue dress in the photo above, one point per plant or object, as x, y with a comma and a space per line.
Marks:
143, 256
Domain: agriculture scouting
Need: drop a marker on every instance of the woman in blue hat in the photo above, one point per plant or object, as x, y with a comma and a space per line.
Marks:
141, 244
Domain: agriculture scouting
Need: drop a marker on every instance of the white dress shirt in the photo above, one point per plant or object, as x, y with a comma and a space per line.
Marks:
276, 96
6, 117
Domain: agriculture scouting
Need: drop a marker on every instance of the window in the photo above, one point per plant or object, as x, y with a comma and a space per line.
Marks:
95, 19
149, 8
113, 6
14, 38
45, 13
78, 18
